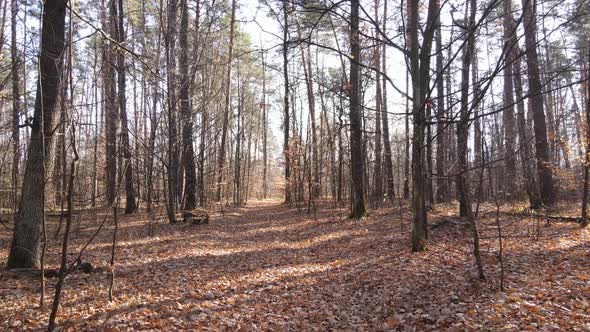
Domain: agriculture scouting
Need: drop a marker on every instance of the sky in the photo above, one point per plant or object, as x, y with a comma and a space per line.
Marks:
264, 30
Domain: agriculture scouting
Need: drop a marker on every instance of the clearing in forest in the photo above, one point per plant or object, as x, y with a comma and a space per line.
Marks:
268, 267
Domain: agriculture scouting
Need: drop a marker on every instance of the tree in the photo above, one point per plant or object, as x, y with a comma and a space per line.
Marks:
378, 182
508, 101
264, 132
514, 57
25, 249
419, 69
110, 105
188, 152
356, 139
544, 170
463, 183
441, 189
587, 147
117, 19
226, 108
385, 117
173, 162
286, 152
16, 105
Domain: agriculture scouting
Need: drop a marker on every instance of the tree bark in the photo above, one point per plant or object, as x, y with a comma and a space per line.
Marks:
462, 181
117, 19
173, 162
356, 139
508, 120
110, 104
188, 152
544, 170
227, 104
440, 114
420, 75
264, 133
587, 147
286, 152
419, 229
378, 181
390, 184
26, 242
14, 57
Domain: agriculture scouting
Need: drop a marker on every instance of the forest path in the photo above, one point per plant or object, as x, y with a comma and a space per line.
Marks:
266, 266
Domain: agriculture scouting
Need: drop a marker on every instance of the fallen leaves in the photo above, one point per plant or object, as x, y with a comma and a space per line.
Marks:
266, 267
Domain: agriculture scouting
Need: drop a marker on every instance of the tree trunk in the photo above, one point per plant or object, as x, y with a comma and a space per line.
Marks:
388, 164
526, 155
188, 152
508, 120
227, 104
440, 114
173, 162
463, 183
419, 229
110, 105
130, 204
378, 181
264, 133
286, 151
544, 170
356, 140
15, 103
315, 178
420, 74
153, 116
25, 248
407, 137
587, 147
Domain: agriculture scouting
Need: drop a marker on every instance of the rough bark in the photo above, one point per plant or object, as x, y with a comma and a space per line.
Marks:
508, 120
388, 164
440, 114
264, 133
227, 103
526, 155
26, 242
356, 139
110, 109
463, 183
286, 152
544, 170
188, 152
587, 148
117, 18
378, 174
173, 159
16, 106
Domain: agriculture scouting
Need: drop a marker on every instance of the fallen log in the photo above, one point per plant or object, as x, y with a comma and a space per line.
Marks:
196, 216
538, 215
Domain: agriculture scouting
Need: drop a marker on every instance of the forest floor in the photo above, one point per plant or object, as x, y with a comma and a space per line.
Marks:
268, 267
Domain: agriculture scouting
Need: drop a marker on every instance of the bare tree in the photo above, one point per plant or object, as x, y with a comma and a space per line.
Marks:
26, 241
117, 16
173, 162
16, 105
419, 61
356, 139
544, 169
188, 152
226, 109
286, 152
